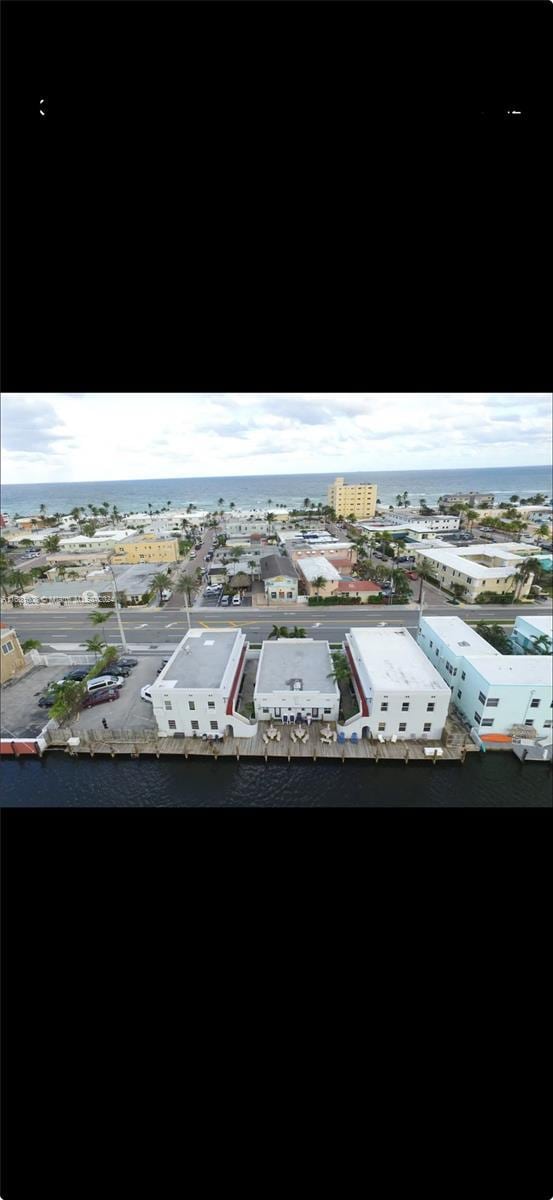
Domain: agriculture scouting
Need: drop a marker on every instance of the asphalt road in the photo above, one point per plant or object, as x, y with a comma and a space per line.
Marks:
158, 627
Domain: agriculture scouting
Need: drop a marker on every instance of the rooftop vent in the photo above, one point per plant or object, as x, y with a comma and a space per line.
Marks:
464, 643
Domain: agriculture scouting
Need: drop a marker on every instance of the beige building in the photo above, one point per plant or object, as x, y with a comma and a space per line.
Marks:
147, 549
359, 499
12, 658
477, 568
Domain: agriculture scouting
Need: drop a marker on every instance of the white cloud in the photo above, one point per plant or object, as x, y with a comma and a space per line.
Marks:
51, 437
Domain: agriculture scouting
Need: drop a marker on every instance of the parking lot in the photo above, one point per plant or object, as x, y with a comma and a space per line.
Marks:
22, 717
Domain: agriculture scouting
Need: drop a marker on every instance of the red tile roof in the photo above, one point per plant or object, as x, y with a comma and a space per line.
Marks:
357, 585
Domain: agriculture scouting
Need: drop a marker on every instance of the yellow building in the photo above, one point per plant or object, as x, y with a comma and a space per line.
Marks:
359, 499
147, 549
12, 658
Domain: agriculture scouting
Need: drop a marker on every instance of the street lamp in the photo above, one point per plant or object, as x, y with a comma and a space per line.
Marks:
117, 608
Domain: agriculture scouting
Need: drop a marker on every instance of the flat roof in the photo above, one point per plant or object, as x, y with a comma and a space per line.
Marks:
317, 565
201, 659
461, 638
288, 659
540, 624
459, 558
393, 661
531, 669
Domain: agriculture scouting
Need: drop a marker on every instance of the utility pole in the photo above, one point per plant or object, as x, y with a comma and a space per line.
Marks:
118, 610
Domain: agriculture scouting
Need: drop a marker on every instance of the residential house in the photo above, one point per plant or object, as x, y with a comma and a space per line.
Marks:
12, 658
280, 579
399, 692
196, 693
295, 682
318, 567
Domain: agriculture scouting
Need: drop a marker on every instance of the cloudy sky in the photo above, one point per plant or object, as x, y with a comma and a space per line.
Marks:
54, 437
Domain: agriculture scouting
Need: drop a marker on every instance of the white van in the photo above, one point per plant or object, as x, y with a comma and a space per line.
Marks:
102, 681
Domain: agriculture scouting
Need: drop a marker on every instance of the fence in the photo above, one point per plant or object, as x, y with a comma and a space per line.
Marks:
75, 658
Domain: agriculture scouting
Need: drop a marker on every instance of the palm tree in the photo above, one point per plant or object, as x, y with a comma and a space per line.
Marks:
161, 581
61, 571
399, 499
340, 668
514, 499
522, 574
30, 644
252, 565
306, 502
542, 644
405, 499
543, 530
18, 580
471, 516
232, 505
51, 544
42, 510
99, 618
220, 501
458, 590
187, 584
75, 512
317, 583
297, 632
270, 518
279, 631
95, 645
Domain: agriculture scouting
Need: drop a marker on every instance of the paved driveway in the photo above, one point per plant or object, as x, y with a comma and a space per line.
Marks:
21, 715
130, 711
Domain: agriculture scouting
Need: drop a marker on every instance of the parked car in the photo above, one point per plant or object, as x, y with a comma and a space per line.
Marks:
225, 600
48, 700
236, 600
78, 674
453, 601
192, 553
166, 594
146, 692
128, 662
120, 669
101, 681
212, 588
412, 575
164, 662
102, 696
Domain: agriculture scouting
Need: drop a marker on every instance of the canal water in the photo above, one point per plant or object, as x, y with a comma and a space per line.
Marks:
491, 780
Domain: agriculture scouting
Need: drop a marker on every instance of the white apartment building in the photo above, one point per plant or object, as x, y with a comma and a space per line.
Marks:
103, 539
495, 693
432, 524
529, 627
195, 695
400, 692
294, 680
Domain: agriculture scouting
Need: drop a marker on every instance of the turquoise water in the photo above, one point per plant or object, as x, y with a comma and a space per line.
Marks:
255, 491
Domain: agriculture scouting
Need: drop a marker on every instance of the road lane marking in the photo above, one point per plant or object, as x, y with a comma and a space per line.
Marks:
140, 626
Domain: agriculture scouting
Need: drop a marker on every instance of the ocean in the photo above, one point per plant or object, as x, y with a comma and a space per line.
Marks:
258, 491
483, 781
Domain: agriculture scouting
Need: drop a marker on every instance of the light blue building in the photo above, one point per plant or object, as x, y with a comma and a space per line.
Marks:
527, 629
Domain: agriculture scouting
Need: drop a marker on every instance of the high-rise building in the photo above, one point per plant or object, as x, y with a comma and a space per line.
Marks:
359, 499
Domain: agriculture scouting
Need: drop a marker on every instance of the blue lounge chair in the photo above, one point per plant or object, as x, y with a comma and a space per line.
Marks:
354, 738
341, 738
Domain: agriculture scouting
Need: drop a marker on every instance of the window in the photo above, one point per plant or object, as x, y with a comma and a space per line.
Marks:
273, 595
327, 710
459, 694
384, 706
265, 710
382, 726
547, 724
431, 644
213, 725
430, 707
7, 648
535, 703
530, 722
195, 724
463, 675
289, 596
405, 706
477, 718
481, 697
488, 721
437, 651
191, 706
493, 703
427, 727
172, 724
168, 705
211, 704
402, 726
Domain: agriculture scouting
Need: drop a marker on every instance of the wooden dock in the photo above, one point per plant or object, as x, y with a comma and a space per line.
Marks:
115, 743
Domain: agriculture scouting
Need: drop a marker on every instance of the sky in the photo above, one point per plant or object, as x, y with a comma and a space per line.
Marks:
70, 437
